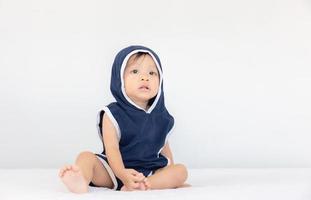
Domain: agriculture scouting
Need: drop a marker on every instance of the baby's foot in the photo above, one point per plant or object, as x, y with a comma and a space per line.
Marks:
124, 188
72, 177
147, 184
141, 186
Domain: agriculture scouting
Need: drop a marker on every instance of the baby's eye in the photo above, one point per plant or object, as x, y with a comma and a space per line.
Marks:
153, 73
134, 71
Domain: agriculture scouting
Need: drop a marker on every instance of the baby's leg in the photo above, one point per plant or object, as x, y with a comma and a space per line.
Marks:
172, 176
86, 169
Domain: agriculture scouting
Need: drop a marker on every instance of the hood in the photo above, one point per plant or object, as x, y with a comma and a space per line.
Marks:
117, 82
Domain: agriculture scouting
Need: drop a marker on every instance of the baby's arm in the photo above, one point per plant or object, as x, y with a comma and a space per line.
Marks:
166, 151
112, 146
129, 177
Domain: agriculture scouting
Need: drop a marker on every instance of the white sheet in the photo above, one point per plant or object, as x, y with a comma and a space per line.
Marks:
210, 184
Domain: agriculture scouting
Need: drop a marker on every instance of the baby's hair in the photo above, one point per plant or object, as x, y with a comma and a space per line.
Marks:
134, 58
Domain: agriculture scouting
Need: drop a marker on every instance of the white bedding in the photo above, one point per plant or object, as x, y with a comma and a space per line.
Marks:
207, 184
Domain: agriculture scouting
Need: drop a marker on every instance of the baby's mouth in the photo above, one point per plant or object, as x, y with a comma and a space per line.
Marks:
144, 87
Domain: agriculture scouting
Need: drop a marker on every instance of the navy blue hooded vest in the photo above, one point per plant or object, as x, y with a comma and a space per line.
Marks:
142, 134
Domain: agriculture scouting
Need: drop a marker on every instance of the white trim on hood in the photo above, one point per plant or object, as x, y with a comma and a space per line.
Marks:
122, 81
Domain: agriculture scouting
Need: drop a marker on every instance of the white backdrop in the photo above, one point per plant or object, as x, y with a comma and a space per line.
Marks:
237, 77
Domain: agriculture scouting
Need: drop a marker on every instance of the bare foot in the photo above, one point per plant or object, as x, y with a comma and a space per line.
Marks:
124, 188
72, 177
147, 184
142, 186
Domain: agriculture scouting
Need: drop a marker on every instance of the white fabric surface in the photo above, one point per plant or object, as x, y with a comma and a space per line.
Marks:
211, 184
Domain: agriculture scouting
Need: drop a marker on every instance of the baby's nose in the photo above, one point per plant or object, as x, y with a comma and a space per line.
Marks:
144, 78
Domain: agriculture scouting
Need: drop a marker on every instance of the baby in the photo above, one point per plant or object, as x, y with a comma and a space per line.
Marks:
134, 131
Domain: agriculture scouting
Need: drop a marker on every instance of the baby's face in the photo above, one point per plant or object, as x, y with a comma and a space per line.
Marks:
141, 79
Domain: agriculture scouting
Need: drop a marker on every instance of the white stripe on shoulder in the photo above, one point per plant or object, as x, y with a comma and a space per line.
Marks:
114, 121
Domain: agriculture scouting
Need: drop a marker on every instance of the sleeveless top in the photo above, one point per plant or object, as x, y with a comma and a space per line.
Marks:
142, 134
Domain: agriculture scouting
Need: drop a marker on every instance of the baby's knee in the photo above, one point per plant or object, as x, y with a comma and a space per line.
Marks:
182, 172
86, 155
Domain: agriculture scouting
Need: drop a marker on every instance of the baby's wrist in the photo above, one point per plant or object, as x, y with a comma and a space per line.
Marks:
121, 173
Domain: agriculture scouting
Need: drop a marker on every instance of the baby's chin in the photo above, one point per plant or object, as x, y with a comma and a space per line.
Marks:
142, 98
146, 95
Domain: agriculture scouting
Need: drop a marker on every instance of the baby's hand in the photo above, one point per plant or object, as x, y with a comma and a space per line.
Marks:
132, 179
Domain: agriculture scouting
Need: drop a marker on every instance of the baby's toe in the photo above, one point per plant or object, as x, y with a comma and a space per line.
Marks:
147, 184
142, 186
62, 171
